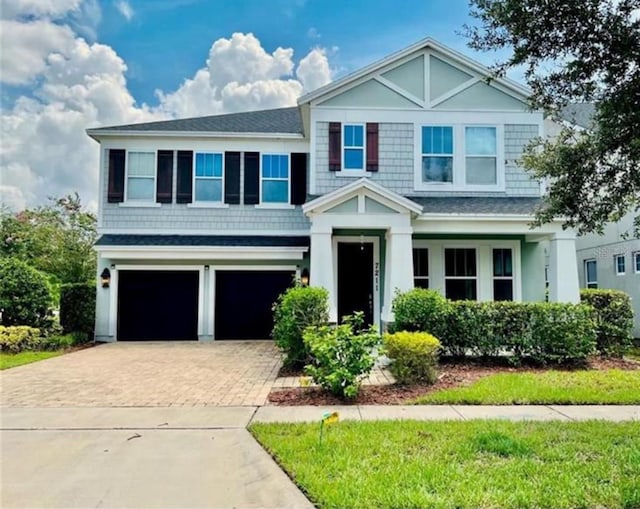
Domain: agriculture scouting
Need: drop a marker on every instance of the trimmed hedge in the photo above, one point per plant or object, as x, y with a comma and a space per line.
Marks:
414, 356
614, 320
78, 308
543, 332
19, 338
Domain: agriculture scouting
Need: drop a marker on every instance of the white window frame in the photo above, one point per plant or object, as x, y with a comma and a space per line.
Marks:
476, 278
459, 159
616, 259
428, 276
275, 205
343, 169
134, 201
586, 274
221, 178
636, 262
485, 156
452, 155
504, 278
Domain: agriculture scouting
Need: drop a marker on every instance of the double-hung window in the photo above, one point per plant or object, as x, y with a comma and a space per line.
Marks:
275, 178
353, 147
141, 176
208, 177
420, 267
620, 263
480, 146
460, 274
437, 154
502, 274
636, 258
591, 273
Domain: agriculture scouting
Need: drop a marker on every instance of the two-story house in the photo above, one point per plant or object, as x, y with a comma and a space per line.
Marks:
402, 174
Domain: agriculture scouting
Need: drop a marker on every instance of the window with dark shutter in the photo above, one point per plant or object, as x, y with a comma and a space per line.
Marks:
251, 178
232, 177
298, 178
372, 147
185, 177
164, 181
115, 190
335, 146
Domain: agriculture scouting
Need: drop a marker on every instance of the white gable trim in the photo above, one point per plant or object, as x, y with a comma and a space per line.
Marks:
323, 93
367, 188
384, 81
455, 91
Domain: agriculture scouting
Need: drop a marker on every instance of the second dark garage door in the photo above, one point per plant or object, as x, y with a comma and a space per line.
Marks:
244, 300
157, 305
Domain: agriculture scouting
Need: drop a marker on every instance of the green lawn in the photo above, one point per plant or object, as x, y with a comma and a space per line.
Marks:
11, 360
607, 387
462, 465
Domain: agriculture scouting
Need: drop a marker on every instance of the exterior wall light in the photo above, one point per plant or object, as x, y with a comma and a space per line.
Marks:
105, 278
304, 277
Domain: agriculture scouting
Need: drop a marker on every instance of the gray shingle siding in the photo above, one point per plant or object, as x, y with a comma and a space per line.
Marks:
396, 162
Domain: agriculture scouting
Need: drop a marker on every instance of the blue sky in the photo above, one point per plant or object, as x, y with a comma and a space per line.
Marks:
72, 64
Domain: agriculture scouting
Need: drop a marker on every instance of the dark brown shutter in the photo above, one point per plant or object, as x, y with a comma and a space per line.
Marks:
335, 146
298, 178
115, 191
164, 180
372, 147
185, 177
232, 177
251, 178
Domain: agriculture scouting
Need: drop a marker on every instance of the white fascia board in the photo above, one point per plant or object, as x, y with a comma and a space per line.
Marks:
201, 252
98, 134
512, 87
483, 224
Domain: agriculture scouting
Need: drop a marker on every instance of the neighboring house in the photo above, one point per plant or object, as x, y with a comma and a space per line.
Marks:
612, 260
401, 174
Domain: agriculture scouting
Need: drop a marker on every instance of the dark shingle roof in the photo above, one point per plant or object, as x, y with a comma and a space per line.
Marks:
202, 240
281, 120
579, 114
477, 205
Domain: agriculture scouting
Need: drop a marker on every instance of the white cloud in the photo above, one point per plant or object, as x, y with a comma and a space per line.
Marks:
75, 85
313, 33
53, 9
124, 8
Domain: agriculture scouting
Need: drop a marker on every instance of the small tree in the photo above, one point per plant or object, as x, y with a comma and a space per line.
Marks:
78, 307
25, 297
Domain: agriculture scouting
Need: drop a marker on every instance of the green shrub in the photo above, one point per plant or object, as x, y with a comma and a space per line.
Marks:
548, 333
19, 338
78, 307
414, 356
614, 320
58, 342
421, 310
296, 309
342, 355
25, 297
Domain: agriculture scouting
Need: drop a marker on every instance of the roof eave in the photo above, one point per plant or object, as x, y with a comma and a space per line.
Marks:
96, 134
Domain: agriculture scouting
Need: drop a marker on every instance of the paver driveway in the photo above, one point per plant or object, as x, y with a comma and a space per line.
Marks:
147, 374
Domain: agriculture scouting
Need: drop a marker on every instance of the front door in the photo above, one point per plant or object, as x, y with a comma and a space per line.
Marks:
355, 279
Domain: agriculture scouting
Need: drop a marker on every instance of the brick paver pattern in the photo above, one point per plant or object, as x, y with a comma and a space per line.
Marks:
147, 374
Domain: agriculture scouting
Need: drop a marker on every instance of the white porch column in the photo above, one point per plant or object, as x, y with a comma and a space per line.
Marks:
398, 267
563, 269
322, 270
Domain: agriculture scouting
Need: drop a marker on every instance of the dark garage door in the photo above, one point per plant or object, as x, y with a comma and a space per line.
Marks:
157, 305
244, 300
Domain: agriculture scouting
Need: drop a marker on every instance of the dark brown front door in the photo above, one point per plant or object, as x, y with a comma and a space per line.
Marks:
355, 279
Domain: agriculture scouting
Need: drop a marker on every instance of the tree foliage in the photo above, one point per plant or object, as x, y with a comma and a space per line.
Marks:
56, 239
25, 297
576, 52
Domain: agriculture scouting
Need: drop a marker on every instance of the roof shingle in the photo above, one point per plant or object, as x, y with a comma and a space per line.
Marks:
121, 240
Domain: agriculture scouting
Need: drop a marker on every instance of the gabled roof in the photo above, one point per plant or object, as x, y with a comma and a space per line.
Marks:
370, 188
510, 86
580, 114
285, 121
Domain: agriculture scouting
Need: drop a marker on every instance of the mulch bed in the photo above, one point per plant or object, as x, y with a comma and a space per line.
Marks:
451, 375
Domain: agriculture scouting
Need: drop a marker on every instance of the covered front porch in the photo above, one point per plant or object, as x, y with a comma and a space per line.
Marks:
368, 242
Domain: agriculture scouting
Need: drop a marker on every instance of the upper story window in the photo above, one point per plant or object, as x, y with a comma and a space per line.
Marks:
591, 273
636, 257
620, 265
141, 176
208, 175
437, 154
275, 178
460, 157
353, 147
